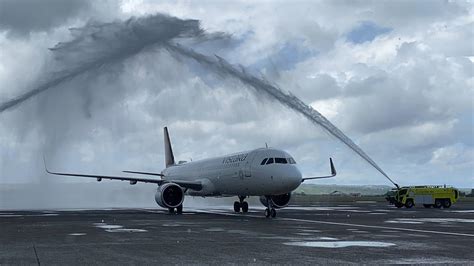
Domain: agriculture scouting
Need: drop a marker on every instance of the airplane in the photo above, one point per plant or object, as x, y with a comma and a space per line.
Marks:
268, 173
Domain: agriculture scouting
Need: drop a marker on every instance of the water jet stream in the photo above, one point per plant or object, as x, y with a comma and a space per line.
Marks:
219, 65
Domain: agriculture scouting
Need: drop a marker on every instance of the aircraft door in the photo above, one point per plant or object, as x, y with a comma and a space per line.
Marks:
248, 165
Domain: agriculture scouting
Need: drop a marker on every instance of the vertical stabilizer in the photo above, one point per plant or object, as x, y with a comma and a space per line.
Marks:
169, 157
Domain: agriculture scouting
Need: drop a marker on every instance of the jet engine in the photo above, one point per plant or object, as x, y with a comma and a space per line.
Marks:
279, 201
169, 195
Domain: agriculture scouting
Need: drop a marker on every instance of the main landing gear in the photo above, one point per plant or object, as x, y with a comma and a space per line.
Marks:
241, 204
270, 210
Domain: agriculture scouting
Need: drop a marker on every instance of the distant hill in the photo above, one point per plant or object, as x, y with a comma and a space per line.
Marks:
320, 189
367, 190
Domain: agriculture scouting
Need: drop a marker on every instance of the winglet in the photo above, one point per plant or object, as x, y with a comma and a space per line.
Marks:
169, 157
333, 169
45, 167
333, 173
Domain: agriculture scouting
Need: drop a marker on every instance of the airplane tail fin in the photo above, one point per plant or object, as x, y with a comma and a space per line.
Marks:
169, 157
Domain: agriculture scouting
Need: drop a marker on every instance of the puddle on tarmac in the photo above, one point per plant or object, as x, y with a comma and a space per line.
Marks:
299, 239
327, 238
304, 234
429, 220
107, 226
403, 221
77, 234
310, 230
464, 211
216, 229
339, 244
28, 215
126, 230
319, 208
236, 231
112, 228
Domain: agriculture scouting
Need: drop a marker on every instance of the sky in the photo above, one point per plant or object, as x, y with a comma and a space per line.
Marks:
394, 76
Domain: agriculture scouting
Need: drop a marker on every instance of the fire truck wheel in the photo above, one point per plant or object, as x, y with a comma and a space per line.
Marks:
409, 203
438, 203
446, 203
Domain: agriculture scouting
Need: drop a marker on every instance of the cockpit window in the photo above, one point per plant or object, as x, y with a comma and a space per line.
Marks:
291, 160
264, 161
281, 160
270, 161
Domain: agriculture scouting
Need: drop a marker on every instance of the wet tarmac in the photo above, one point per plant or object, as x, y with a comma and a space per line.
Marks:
364, 232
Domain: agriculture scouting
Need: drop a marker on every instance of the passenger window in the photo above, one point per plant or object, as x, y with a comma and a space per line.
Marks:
281, 160
270, 161
264, 161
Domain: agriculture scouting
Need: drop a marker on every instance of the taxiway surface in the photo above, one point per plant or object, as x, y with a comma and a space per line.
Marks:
361, 232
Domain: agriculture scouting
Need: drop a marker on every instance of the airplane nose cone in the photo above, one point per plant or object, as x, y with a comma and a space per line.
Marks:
298, 175
295, 177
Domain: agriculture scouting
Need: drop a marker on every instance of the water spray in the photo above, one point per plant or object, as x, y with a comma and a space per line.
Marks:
99, 44
221, 66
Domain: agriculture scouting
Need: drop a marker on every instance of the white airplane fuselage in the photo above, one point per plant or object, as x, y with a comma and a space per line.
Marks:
240, 174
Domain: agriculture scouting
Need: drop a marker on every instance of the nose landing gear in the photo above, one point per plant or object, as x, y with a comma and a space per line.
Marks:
270, 210
241, 204
179, 210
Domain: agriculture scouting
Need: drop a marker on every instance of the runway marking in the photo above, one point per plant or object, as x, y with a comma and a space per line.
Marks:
345, 224
36, 255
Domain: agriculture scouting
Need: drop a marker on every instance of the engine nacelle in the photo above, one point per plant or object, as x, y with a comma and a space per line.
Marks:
169, 195
279, 201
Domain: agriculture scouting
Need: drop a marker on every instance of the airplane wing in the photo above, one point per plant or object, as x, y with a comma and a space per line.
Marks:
183, 183
333, 173
133, 180
121, 178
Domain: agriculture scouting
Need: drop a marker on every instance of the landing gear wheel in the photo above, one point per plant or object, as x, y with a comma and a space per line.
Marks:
236, 206
267, 212
446, 203
438, 203
170, 210
273, 213
409, 204
427, 206
179, 209
245, 206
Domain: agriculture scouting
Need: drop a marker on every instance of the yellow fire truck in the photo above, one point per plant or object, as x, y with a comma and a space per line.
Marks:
428, 196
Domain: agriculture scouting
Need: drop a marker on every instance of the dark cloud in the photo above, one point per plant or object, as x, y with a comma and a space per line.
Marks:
20, 17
